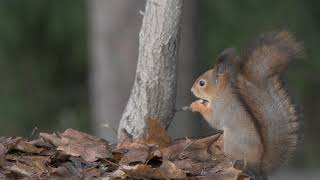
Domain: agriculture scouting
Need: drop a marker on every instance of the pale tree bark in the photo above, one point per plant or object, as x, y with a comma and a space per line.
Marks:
154, 91
113, 42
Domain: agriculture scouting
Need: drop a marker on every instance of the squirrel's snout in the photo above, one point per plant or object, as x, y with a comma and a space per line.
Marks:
192, 90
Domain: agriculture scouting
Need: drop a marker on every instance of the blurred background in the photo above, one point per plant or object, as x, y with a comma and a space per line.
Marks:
72, 63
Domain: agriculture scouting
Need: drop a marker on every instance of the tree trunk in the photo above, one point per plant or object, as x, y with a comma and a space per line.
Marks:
154, 91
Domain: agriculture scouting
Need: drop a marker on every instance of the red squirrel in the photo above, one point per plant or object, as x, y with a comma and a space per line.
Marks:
245, 97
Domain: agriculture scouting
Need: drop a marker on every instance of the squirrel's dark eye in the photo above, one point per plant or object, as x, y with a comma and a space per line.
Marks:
202, 83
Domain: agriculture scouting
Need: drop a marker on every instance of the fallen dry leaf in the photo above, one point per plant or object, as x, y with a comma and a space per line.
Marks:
124, 138
171, 152
91, 172
20, 144
40, 142
200, 149
228, 174
3, 150
166, 171
134, 152
2, 174
192, 167
90, 148
52, 138
38, 163
157, 134
27, 147
62, 171
19, 168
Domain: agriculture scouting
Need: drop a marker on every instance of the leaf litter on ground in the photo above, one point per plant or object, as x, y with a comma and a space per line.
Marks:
78, 155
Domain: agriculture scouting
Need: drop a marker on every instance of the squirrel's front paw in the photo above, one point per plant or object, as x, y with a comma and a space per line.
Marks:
203, 107
198, 106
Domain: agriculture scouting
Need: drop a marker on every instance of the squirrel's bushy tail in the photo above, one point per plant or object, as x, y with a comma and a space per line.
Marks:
267, 97
270, 55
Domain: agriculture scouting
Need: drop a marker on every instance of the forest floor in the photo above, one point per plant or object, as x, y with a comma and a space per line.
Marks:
77, 155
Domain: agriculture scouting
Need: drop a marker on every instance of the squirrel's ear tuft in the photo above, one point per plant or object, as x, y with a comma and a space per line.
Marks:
222, 67
227, 55
226, 59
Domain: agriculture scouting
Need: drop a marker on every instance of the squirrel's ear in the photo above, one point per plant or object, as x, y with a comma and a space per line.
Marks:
227, 55
223, 67
225, 60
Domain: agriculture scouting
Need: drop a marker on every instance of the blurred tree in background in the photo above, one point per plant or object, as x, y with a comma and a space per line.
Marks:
44, 61
43, 65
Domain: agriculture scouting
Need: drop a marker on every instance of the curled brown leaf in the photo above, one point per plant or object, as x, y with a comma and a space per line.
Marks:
90, 148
